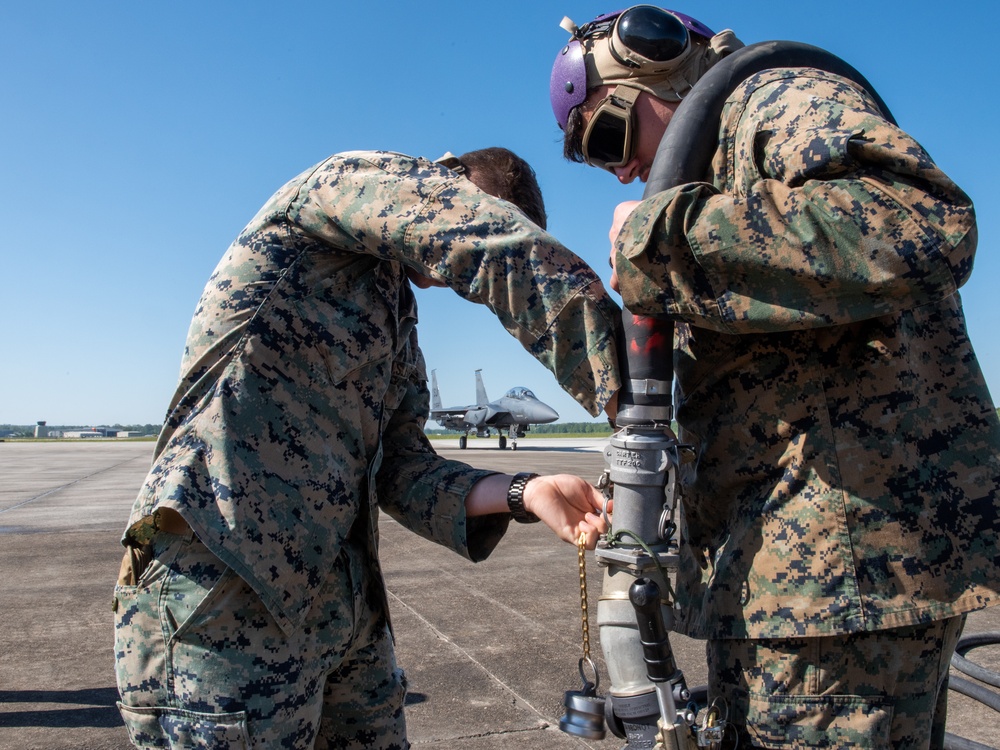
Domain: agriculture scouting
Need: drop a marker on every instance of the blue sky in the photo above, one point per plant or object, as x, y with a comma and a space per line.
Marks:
139, 138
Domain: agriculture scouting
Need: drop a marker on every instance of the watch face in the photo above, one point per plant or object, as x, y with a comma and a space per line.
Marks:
515, 499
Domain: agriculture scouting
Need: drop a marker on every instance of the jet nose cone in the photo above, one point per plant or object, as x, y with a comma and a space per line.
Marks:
547, 414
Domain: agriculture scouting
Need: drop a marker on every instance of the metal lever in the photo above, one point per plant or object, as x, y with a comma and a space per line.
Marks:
656, 652
661, 669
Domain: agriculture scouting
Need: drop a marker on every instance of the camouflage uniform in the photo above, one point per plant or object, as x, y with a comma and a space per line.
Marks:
301, 407
848, 467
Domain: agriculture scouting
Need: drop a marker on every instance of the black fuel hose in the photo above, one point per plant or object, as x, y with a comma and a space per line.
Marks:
971, 689
966, 644
951, 742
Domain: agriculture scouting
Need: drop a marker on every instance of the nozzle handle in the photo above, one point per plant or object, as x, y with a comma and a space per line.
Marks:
656, 652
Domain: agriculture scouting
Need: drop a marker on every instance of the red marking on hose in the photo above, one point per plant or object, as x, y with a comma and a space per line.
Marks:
654, 342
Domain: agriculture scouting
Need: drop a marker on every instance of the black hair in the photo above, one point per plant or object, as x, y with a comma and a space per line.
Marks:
573, 136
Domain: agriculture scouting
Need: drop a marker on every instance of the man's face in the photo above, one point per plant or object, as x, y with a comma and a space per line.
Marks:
650, 119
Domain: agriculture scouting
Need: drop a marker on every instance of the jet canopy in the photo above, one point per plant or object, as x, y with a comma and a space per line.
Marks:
520, 394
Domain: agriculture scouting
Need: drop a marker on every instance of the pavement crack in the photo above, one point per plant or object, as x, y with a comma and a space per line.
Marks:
60, 488
547, 727
440, 634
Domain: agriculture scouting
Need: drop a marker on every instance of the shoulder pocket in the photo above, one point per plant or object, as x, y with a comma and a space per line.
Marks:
810, 154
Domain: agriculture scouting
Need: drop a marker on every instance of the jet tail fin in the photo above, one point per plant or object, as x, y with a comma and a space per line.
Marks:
435, 394
481, 397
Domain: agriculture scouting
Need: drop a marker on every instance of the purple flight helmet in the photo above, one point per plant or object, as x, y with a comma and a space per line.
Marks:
568, 84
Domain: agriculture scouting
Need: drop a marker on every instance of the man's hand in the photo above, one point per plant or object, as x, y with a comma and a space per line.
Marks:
568, 505
622, 211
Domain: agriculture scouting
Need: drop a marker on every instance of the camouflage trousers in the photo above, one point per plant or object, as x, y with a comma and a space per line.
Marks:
866, 691
202, 664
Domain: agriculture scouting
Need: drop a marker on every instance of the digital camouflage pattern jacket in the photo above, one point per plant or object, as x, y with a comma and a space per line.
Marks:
303, 395
847, 476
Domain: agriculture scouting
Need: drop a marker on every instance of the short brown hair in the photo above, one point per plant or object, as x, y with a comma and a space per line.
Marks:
505, 175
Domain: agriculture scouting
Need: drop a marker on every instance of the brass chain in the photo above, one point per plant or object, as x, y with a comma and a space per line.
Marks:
581, 548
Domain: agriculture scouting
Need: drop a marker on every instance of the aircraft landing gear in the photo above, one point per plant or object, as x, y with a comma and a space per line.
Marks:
463, 442
503, 442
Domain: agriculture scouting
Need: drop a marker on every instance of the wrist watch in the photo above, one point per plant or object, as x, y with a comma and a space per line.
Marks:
515, 498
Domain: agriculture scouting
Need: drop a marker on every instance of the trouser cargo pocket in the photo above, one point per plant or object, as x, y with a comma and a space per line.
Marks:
845, 722
150, 728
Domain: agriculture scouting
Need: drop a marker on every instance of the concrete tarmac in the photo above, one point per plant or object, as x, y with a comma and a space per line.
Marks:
488, 648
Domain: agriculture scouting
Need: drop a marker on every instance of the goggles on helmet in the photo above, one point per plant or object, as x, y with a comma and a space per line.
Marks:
609, 140
645, 47
646, 34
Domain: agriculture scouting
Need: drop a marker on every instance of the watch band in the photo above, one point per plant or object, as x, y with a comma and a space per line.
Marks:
515, 498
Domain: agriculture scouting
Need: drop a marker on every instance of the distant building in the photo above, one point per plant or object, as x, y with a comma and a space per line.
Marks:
41, 430
128, 434
91, 433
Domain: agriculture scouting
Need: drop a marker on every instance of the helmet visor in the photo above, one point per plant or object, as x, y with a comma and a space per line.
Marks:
608, 140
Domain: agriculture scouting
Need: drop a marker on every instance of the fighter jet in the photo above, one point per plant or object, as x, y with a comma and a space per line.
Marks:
516, 411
